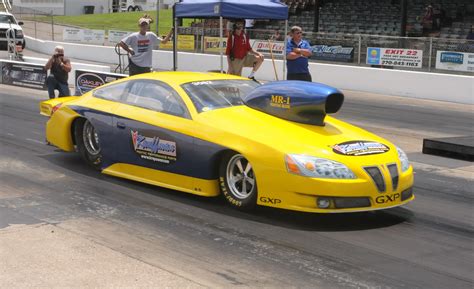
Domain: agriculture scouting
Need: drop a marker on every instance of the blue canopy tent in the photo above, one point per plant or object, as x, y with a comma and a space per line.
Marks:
246, 9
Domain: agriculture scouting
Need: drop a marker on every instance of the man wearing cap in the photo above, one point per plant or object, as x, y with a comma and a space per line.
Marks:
140, 47
239, 52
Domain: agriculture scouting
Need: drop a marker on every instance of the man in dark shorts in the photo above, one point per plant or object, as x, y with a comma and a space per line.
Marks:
140, 47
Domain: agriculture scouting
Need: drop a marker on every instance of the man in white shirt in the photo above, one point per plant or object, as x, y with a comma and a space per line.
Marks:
140, 47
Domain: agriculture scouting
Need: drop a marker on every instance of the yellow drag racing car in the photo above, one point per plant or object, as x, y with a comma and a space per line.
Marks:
213, 134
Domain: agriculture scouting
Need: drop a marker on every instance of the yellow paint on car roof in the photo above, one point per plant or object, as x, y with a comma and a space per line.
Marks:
180, 77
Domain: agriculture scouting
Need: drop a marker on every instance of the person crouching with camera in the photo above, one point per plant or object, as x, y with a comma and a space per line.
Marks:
60, 68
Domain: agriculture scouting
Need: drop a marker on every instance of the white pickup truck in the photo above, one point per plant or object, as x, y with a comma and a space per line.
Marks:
7, 21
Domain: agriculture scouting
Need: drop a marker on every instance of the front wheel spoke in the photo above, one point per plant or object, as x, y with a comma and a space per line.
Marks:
239, 166
235, 179
251, 181
248, 168
244, 187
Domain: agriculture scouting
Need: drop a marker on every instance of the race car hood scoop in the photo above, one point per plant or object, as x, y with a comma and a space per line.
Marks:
298, 101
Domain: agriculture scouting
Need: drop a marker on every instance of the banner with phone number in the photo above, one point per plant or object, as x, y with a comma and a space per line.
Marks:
395, 57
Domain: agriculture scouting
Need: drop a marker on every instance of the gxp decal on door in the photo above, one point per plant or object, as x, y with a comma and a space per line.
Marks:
154, 148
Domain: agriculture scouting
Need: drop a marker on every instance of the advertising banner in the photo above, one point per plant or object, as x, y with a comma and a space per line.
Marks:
86, 80
452, 60
395, 57
72, 35
185, 43
263, 46
212, 44
333, 53
84, 36
94, 36
115, 36
23, 74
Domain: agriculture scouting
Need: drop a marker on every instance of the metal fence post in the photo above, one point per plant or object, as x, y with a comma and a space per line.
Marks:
52, 25
431, 54
360, 47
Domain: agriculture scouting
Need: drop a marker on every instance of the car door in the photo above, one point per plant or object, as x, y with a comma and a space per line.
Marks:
100, 112
153, 129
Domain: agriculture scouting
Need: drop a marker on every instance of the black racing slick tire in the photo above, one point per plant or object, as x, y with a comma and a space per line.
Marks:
237, 181
87, 142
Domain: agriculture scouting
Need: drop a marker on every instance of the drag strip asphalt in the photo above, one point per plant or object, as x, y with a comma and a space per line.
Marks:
58, 217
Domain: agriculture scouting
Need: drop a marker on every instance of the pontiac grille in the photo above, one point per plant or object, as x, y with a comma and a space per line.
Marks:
376, 175
392, 168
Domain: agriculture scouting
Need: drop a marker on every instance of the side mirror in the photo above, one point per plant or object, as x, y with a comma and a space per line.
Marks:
21, 23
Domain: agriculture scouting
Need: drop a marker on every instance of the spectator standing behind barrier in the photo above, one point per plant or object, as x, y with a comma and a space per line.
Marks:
297, 52
239, 52
140, 47
60, 68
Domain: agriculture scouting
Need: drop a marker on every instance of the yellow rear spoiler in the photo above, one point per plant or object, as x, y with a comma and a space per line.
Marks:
46, 107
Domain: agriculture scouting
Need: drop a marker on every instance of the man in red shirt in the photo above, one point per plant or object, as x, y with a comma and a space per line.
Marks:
239, 52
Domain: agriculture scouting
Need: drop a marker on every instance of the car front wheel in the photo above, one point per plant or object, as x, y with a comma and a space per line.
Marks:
88, 144
237, 181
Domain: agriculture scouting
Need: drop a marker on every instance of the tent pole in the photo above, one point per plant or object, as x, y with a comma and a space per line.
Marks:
284, 50
175, 41
175, 44
221, 44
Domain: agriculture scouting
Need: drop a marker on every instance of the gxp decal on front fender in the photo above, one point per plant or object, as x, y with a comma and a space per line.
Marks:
267, 200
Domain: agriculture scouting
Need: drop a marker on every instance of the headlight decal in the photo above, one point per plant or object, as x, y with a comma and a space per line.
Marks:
402, 156
317, 167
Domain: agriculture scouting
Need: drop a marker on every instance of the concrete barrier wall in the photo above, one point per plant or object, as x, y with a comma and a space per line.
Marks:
435, 86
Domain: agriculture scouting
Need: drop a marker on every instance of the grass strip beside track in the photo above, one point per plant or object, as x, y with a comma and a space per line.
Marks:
125, 21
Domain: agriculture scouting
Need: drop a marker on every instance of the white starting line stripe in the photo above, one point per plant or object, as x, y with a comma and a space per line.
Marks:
35, 141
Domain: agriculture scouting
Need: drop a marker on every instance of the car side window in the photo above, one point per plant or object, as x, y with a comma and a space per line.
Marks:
111, 92
155, 96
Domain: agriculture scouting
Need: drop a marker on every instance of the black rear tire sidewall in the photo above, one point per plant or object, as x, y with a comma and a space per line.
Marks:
241, 204
94, 161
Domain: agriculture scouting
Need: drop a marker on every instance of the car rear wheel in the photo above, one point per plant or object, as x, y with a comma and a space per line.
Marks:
88, 144
237, 181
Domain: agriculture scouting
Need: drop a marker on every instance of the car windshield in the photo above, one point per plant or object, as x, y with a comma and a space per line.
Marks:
5, 18
213, 94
